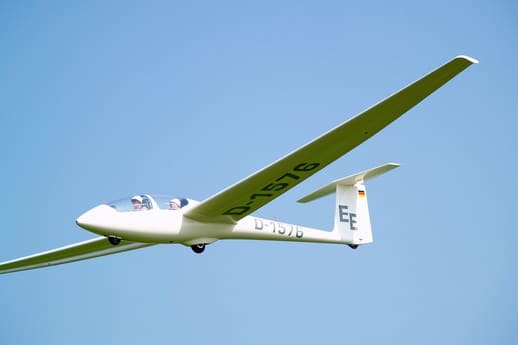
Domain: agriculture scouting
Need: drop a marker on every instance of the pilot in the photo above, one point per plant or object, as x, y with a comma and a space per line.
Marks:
136, 201
174, 204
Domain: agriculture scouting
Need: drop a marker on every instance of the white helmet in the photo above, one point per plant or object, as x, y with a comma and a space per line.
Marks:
175, 201
137, 198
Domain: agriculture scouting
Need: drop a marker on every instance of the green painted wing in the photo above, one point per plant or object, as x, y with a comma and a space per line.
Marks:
248, 195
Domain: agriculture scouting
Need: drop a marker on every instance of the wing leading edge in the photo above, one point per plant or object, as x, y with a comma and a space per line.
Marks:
258, 189
95, 247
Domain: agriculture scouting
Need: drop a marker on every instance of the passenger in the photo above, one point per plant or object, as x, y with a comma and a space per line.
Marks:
175, 204
136, 201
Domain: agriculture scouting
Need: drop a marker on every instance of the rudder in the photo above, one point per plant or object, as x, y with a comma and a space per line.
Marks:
352, 219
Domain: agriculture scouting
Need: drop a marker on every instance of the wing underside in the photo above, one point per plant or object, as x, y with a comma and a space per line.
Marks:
95, 247
248, 195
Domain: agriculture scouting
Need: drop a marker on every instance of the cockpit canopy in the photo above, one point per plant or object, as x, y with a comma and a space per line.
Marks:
145, 202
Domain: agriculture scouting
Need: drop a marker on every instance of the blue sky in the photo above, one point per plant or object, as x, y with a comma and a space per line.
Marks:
104, 99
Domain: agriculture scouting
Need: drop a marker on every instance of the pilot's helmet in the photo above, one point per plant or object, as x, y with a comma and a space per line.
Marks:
175, 204
137, 198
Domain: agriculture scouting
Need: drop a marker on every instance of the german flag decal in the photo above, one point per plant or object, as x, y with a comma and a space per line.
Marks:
361, 193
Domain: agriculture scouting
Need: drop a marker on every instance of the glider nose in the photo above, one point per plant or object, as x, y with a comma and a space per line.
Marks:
95, 219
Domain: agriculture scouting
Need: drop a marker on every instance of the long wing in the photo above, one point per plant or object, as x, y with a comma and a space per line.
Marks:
248, 195
98, 246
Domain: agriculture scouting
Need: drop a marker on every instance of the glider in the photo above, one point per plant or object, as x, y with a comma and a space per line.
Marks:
145, 220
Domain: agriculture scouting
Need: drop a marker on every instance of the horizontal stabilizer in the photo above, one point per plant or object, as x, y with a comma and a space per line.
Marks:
349, 181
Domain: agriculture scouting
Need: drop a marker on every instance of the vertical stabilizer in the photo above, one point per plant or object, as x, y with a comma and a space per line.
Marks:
352, 219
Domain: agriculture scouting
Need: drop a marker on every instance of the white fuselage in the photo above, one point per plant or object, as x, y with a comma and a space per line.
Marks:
171, 226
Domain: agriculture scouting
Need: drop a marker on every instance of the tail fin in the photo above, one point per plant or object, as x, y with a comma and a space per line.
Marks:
352, 219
